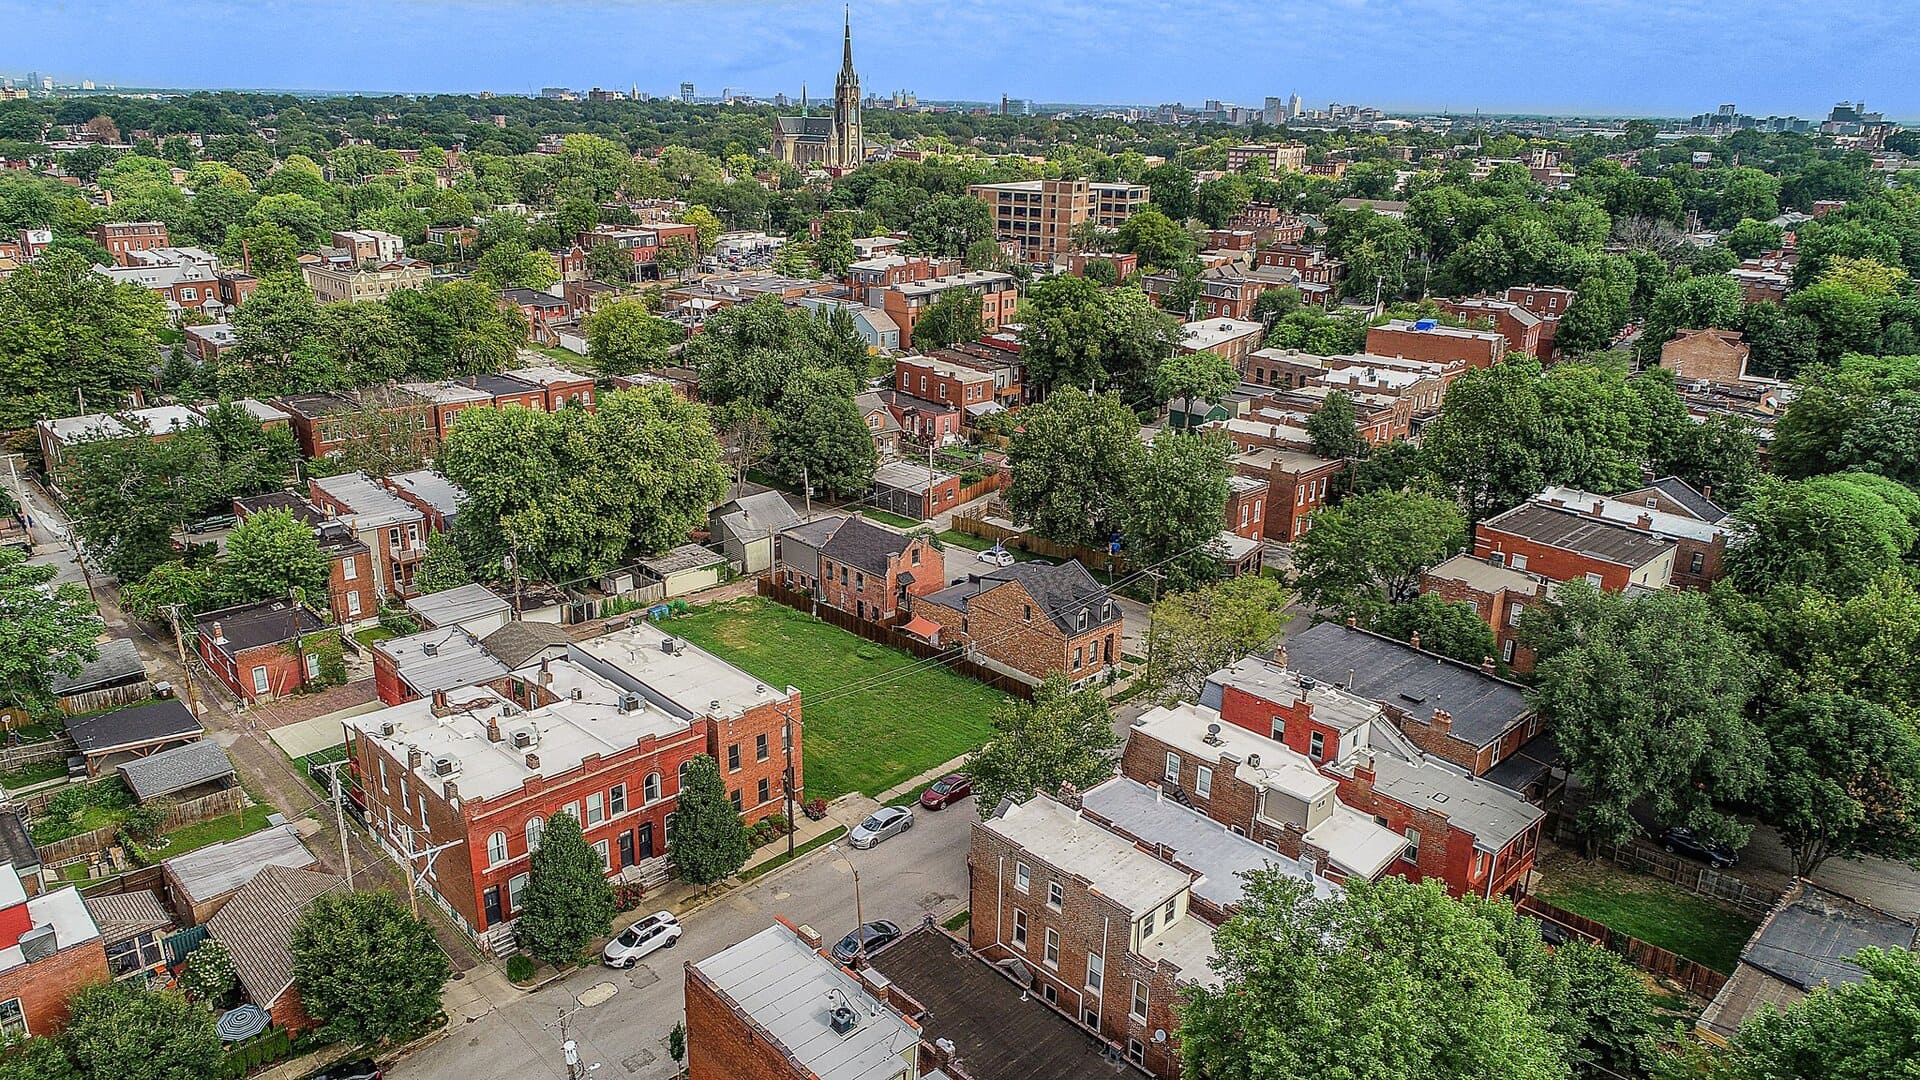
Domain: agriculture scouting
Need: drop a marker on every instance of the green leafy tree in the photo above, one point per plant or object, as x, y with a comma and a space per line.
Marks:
1853, 643
625, 336
1835, 532
369, 970
1176, 503
567, 902
1692, 303
172, 583
1844, 319
127, 496
706, 224
954, 317
677, 256
1161, 242
610, 263
1334, 428
1448, 627
1071, 464
1198, 632
1648, 698
819, 436
1862, 413
208, 976
269, 555
1062, 738
579, 493
67, 333
1186, 377
513, 265
119, 1031
834, 250
1842, 1031
1750, 238
1369, 964
458, 328
1371, 549
1074, 333
38, 1058
46, 630
709, 840
444, 567
948, 225
1843, 779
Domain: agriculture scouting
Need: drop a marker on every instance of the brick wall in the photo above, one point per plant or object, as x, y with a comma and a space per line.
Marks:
1552, 563
877, 597
44, 987
1705, 355
1087, 922
1007, 625
723, 1043
1476, 351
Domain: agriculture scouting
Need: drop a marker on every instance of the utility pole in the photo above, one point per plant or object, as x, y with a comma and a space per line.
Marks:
339, 815
1154, 576
416, 881
180, 643
786, 735
806, 491
513, 545
299, 647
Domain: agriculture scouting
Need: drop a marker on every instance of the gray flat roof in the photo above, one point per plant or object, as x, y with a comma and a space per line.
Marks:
458, 604
1195, 839
442, 659
226, 866
790, 990
1570, 530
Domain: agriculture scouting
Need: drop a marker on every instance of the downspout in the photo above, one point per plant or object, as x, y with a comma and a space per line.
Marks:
999, 901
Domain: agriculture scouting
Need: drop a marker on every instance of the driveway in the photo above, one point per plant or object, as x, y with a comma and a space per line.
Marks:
923, 871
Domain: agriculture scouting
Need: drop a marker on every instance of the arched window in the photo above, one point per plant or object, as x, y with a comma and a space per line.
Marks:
496, 849
651, 790
535, 826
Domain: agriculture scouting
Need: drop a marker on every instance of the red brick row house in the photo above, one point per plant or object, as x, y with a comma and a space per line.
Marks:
1498, 593
1563, 544
255, 649
49, 949
1031, 619
353, 594
601, 731
854, 565
1425, 339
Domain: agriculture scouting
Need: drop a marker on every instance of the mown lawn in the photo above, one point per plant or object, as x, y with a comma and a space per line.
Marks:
865, 740
956, 538
1649, 909
889, 518
244, 822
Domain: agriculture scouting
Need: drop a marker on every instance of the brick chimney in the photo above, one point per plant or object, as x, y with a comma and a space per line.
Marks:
414, 757
440, 703
493, 729
1442, 722
533, 762
1363, 775
1644, 521
452, 791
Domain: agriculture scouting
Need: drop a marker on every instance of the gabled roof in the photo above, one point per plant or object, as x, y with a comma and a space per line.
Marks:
176, 769
1065, 591
806, 127
1410, 680
519, 642
116, 661
223, 867
1690, 497
256, 926
751, 517
861, 544
125, 915
135, 725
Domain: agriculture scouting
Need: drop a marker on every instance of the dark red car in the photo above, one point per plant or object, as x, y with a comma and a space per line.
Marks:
945, 790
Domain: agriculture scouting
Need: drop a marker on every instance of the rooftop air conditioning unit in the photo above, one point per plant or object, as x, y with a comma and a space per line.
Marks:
445, 765
843, 1019
387, 728
1213, 735
1253, 761
525, 738
630, 702
430, 648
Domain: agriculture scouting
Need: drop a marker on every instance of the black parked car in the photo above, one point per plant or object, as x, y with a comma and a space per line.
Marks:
878, 935
1685, 841
358, 1069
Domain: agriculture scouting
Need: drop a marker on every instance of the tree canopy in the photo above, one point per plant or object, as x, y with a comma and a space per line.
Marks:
367, 969
1062, 738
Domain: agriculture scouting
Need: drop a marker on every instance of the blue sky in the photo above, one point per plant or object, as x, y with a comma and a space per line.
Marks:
1669, 57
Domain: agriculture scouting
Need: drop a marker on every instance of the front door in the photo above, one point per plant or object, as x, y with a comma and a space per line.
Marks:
493, 904
626, 851
646, 840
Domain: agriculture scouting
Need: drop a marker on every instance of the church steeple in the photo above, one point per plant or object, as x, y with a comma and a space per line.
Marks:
849, 146
803, 99
846, 46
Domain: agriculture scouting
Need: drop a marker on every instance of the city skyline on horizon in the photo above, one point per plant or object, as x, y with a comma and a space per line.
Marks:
765, 49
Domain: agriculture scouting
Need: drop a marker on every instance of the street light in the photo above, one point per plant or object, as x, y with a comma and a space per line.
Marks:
859, 918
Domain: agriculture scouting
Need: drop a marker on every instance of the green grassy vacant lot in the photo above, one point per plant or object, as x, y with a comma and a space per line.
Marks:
867, 740
887, 517
956, 538
1647, 908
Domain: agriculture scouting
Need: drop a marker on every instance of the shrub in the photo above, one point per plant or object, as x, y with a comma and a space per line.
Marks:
519, 968
677, 1042
815, 809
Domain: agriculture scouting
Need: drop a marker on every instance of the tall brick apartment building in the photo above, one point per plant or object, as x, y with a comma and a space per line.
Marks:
1032, 618
1424, 339
123, 239
601, 732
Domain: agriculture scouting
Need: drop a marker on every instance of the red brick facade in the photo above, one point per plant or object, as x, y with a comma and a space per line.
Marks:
1442, 344
725, 1044
882, 598
948, 384
1008, 625
123, 238
44, 986
1084, 919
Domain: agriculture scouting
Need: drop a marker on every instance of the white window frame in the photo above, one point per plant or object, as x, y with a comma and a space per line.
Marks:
313, 665
1022, 877
350, 567
1020, 929
13, 1018
605, 851
261, 684
1056, 895
516, 885
1050, 949
596, 809
497, 848
650, 789
617, 799
536, 829
1203, 782
1413, 845
1171, 774
1140, 1002
1096, 973
353, 602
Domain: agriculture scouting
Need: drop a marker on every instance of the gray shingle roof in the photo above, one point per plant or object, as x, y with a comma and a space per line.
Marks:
124, 915
256, 926
458, 604
135, 725
1688, 496
1812, 936
1064, 591
116, 661
751, 517
861, 544
176, 769
518, 642
1410, 680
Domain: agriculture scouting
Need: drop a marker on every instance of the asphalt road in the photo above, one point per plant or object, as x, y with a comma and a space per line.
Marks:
922, 871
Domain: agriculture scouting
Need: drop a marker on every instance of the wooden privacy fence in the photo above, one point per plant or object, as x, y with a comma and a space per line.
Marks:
975, 525
1697, 978
91, 701
952, 659
35, 753
1697, 878
173, 815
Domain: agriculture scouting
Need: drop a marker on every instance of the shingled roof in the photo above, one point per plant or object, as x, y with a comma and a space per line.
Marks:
256, 926
176, 769
861, 544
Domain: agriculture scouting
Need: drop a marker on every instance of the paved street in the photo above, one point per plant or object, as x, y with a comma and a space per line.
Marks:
518, 1035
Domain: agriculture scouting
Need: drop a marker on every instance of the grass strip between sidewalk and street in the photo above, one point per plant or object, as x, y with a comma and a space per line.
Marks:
783, 858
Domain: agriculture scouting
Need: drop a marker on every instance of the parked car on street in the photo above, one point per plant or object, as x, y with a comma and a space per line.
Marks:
358, 1069
1685, 841
886, 822
659, 930
996, 555
877, 934
946, 790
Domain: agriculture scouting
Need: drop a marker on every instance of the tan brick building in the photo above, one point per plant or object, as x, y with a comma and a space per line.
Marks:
1718, 356
1039, 216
